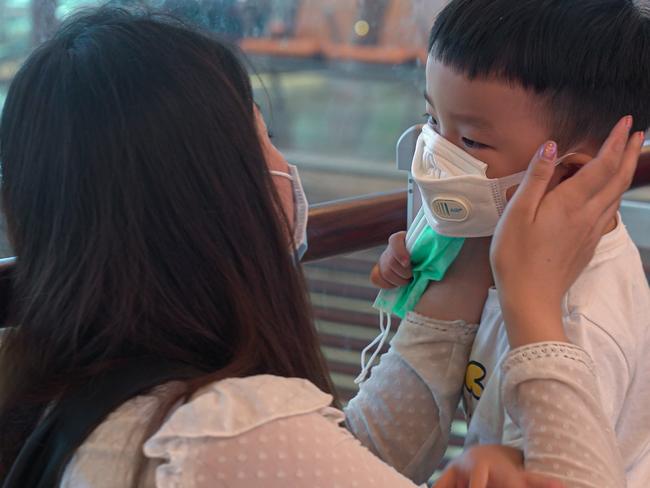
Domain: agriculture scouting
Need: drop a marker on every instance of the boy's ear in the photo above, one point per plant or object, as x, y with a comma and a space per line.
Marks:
572, 163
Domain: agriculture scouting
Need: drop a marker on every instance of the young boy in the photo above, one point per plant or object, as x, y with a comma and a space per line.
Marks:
504, 76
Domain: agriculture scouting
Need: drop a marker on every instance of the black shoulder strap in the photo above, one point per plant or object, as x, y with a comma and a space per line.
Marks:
43, 458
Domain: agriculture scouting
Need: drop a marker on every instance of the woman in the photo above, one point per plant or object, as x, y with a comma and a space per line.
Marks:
153, 231
146, 227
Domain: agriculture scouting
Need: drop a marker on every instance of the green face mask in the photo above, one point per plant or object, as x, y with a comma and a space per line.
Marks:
431, 256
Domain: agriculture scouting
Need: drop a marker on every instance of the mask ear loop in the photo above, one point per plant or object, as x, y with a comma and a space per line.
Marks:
381, 338
507, 182
281, 173
559, 161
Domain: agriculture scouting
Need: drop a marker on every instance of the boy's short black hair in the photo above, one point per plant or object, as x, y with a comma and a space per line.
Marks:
591, 58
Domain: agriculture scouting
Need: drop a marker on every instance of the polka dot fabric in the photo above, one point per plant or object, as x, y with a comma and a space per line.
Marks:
403, 412
299, 451
551, 393
281, 432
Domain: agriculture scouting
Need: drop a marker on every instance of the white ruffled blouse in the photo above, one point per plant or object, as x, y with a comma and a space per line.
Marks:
282, 432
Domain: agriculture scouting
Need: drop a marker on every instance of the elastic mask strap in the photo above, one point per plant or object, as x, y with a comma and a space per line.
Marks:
512, 180
381, 339
281, 173
501, 186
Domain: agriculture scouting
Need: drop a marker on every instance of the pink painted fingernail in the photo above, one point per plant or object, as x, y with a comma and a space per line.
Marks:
549, 151
628, 122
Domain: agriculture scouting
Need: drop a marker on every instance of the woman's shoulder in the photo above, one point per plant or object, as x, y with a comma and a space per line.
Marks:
233, 406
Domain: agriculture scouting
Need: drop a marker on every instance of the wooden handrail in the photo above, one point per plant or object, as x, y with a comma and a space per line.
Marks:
354, 224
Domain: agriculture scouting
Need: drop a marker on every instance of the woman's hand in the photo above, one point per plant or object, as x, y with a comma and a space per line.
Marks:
491, 466
545, 240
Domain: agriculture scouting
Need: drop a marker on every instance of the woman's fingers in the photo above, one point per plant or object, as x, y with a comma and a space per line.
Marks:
480, 476
537, 481
448, 479
604, 169
621, 181
538, 176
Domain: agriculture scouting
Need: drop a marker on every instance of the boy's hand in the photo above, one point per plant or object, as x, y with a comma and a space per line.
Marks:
491, 466
394, 266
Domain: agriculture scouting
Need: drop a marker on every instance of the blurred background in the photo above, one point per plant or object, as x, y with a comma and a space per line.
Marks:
338, 82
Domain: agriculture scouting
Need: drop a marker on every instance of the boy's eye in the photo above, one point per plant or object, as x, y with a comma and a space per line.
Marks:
473, 144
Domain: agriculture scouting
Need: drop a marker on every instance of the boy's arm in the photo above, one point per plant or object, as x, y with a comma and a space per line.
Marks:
403, 413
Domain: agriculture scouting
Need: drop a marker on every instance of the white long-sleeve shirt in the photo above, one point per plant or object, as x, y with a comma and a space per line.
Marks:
607, 313
282, 432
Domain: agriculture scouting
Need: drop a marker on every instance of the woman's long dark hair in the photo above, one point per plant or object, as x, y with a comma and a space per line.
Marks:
143, 217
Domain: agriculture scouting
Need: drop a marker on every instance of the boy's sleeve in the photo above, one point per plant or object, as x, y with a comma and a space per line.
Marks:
403, 413
551, 393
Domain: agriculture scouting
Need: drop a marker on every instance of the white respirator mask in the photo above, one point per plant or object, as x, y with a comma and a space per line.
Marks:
458, 198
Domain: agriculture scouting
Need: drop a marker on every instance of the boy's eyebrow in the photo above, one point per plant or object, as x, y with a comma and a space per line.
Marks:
468, 119
478, 122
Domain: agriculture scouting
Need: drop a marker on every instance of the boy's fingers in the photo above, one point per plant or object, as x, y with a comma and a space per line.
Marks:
401, 271
386, 279
377, 279
393, 278
538, 176
397, 245
390, 267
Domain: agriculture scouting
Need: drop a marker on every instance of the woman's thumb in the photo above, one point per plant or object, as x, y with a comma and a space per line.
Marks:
538, 176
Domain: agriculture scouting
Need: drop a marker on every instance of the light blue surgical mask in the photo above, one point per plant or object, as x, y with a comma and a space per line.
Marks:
301, 211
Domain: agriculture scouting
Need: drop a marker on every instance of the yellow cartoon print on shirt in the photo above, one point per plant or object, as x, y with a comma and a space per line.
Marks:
474, 376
